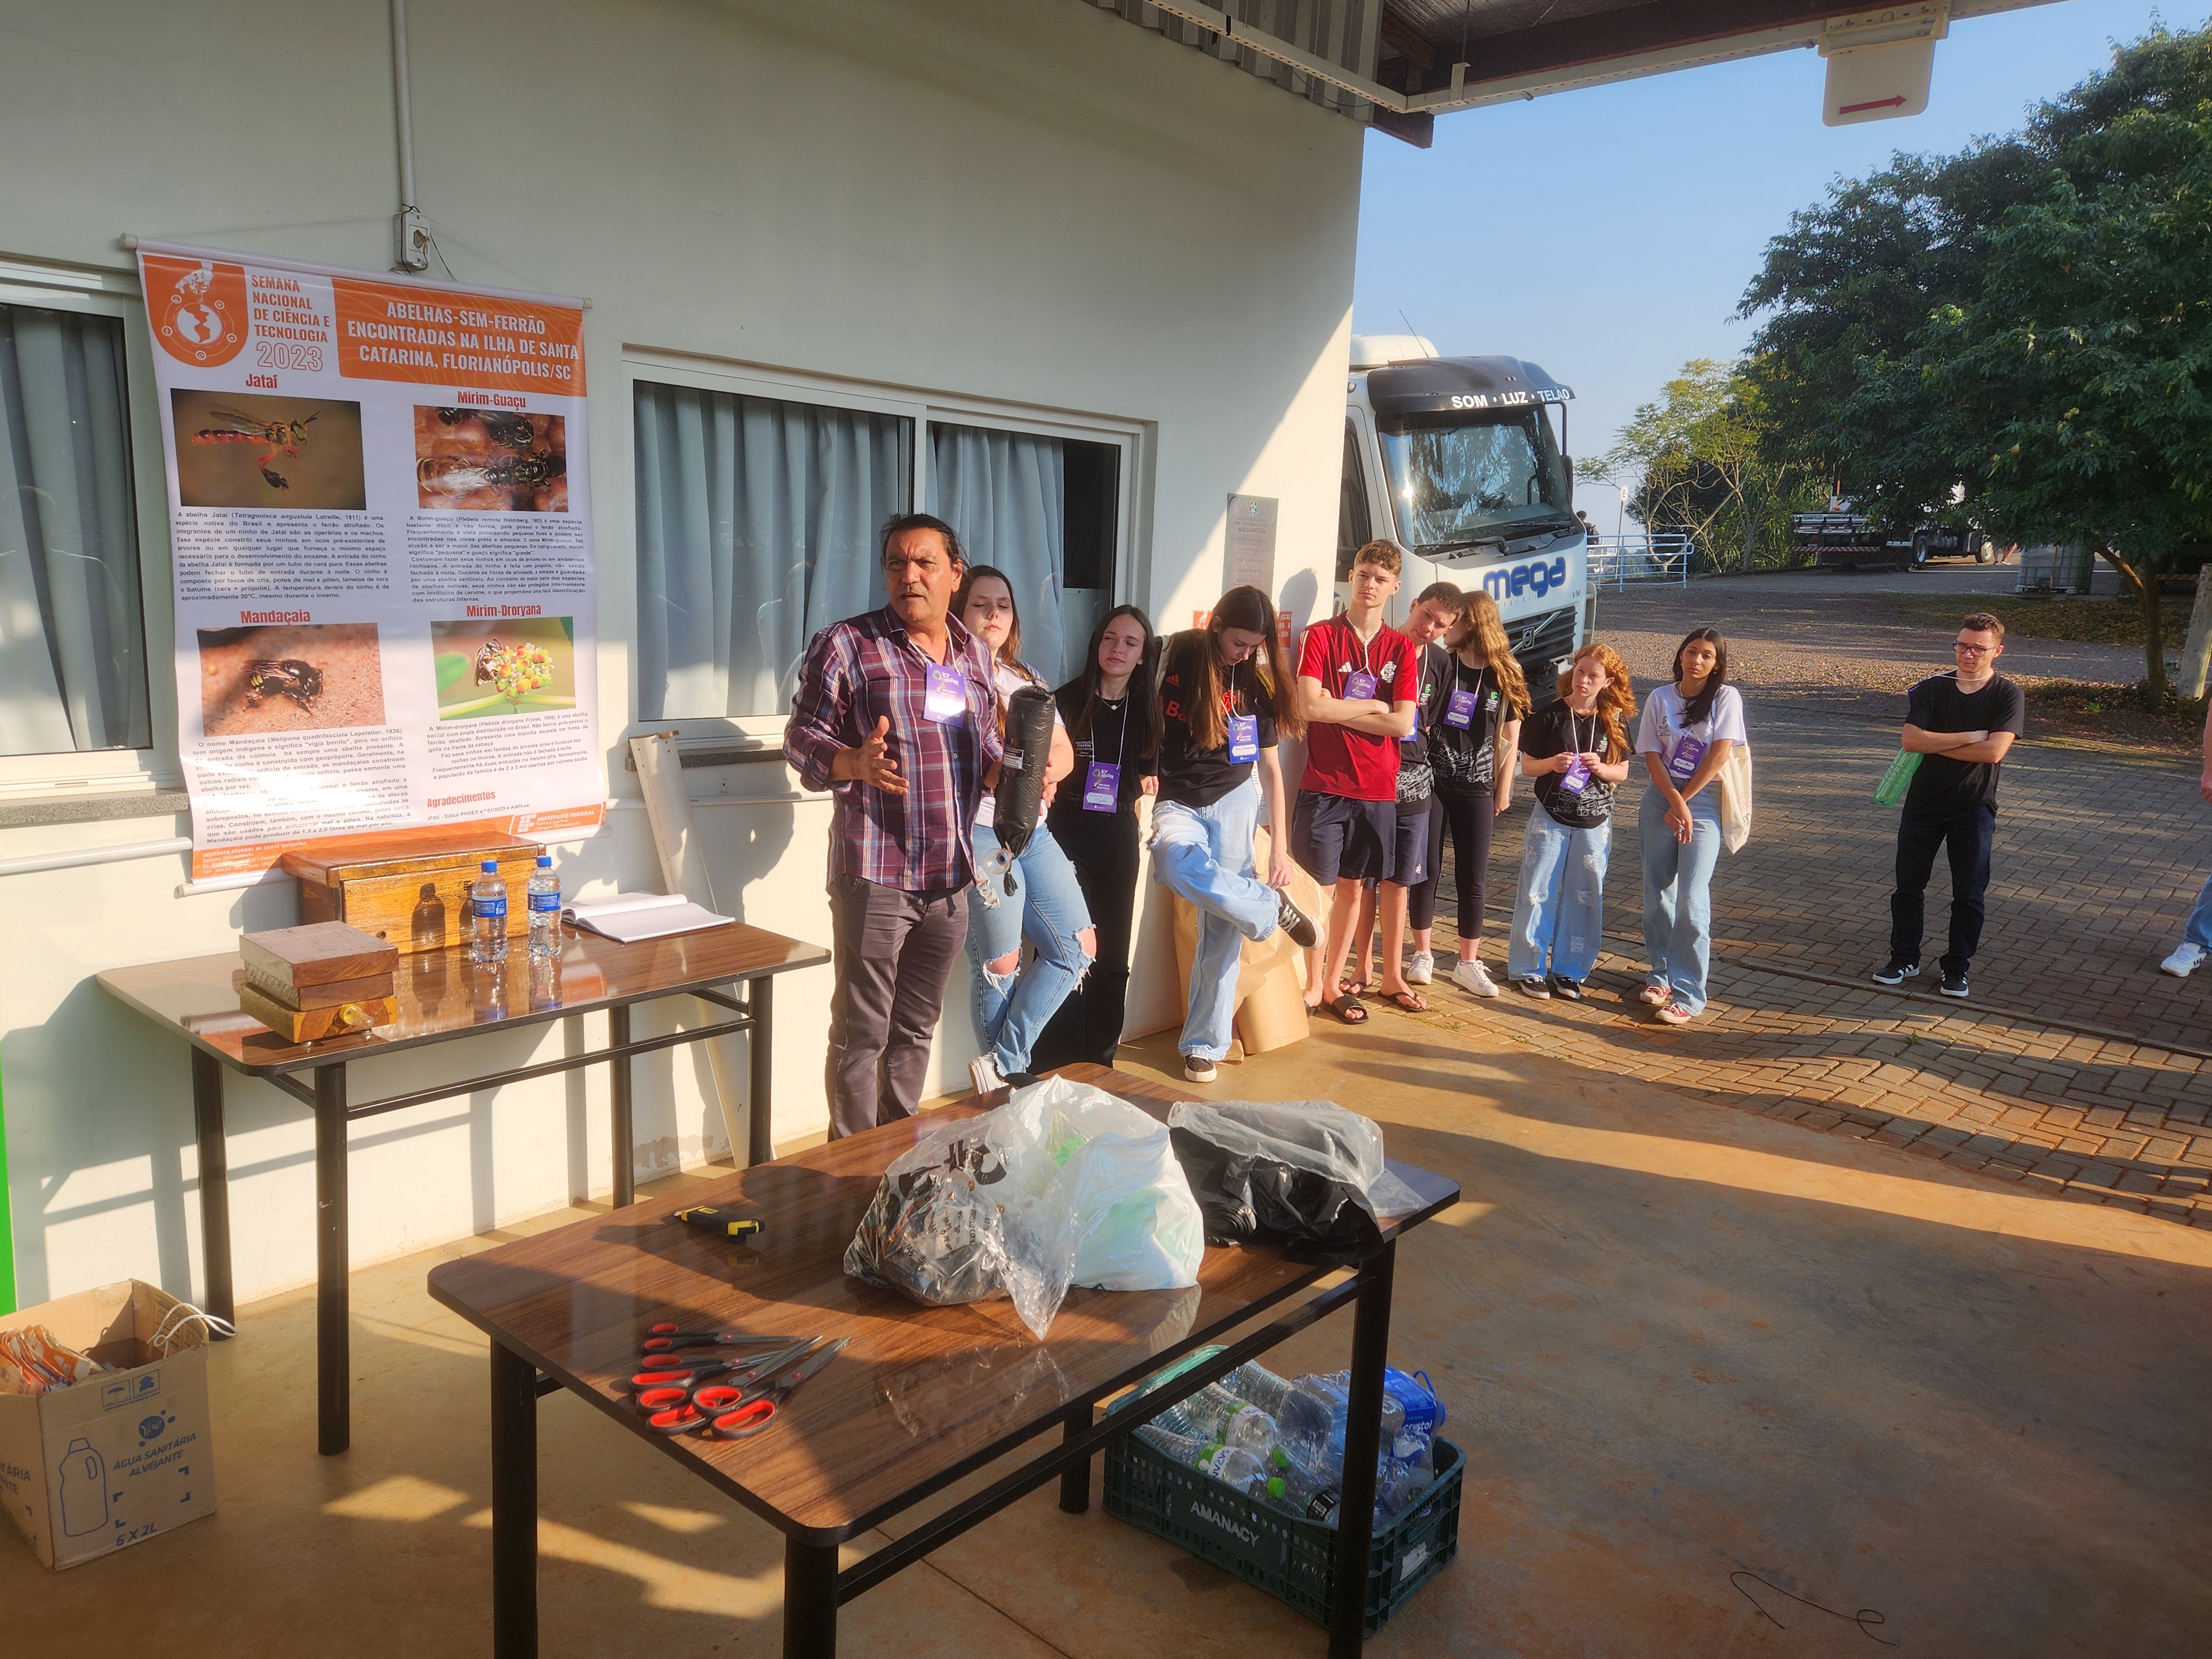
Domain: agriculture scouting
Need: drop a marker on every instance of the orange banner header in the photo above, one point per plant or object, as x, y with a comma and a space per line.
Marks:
430, 337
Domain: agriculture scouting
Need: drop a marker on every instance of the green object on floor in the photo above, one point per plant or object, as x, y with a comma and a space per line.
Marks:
1895, 781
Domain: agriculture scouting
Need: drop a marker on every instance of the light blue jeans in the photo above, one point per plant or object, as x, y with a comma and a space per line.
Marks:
1678, 900
1558, 914
1048, 911
1205, 854
2197, 930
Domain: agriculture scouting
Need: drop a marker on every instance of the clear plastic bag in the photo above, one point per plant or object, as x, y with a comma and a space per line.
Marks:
1064, 1184
1305, 1174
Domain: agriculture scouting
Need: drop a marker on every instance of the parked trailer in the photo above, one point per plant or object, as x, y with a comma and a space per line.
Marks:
1842, 540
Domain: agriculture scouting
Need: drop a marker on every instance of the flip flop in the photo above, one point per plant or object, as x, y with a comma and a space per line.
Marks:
1410, 1002
1348, 1008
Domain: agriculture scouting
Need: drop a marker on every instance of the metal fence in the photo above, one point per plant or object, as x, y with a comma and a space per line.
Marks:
1640, 557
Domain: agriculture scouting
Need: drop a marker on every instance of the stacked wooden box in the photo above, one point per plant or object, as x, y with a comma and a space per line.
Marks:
323, 980
410, 889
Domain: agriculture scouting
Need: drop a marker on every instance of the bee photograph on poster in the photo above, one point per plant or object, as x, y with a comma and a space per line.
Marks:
514, 667
302, 677
490, 460
239, 449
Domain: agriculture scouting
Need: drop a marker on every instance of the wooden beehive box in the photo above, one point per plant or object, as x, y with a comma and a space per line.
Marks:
410, 889
320, 979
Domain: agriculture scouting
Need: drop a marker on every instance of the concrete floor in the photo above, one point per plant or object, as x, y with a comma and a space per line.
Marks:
1682, 1345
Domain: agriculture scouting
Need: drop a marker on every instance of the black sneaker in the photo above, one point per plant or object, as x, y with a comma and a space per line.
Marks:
1953, 985
1295, 922
1532, 988
1896, 973
1571, 989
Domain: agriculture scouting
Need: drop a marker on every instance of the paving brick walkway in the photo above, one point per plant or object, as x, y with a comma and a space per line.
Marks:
2072, 1067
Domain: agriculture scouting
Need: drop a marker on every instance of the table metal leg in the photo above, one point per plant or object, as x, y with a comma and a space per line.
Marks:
625, 1156
760, 1117
810, 1601
215, 1187
1075, 1479
1355, 1528
513, 1506
333, 1264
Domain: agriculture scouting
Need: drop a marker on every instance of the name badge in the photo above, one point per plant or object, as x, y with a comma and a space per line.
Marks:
1102, 787
1460, 711
945, 694
1243, 738
1360, 688
1687, 753
1575, 778
1414, 736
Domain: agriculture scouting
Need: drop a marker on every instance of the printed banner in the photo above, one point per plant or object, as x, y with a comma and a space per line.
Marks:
385, 587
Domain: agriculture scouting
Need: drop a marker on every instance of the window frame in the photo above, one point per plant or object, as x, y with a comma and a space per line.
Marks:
799, 386
66, 774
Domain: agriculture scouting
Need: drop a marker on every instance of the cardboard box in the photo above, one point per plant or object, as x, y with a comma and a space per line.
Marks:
112, 1461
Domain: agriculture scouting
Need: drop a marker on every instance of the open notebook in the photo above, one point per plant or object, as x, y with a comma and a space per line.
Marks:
630, 916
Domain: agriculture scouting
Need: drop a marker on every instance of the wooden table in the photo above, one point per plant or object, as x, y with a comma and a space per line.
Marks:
443, 996
922, 1397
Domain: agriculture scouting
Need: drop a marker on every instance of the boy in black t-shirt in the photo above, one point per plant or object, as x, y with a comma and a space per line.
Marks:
1963, 724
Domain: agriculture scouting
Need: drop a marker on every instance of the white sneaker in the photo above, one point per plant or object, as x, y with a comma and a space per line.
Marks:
1197, 1068
1470, 978
983, 1073
2183, 961
1422, 969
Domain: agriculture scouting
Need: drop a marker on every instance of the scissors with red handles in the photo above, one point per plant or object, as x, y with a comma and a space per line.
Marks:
666, 1338
745, 1411
673, 1406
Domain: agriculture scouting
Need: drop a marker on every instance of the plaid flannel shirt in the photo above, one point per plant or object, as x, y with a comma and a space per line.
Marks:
864, 667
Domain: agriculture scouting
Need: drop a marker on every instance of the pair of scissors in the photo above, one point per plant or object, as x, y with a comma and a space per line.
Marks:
670, 1407
749, 1410
667, 1338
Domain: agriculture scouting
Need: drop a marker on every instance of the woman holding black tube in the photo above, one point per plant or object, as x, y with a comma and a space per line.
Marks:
1112, 712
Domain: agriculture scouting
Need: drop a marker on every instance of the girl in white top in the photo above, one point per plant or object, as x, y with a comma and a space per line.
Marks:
1686, 731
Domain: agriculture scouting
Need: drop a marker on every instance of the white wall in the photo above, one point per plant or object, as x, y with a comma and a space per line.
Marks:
1021, 200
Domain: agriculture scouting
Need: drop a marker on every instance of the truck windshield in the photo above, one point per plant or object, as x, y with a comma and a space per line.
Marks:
1455, 478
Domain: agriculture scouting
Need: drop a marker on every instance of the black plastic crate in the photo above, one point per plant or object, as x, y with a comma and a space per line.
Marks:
1293, 1559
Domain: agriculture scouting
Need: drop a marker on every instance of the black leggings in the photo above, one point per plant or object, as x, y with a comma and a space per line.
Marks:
1471, 815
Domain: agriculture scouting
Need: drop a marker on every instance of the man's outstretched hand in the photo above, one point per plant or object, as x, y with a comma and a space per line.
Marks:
872, 763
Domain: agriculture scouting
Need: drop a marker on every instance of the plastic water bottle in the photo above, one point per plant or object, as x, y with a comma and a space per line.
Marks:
545, 911
488, 909
1233, 1466
1214, 1413
1309, 1409
1299, 1489
1399, 1487
1255, 1383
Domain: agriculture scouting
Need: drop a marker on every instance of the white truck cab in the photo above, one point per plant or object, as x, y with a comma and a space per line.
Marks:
1456, 459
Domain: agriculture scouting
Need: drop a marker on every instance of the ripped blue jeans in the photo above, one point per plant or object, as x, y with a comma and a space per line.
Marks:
1558, 914
1048, 910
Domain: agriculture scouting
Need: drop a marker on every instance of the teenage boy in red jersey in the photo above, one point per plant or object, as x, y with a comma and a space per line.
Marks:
1357, 689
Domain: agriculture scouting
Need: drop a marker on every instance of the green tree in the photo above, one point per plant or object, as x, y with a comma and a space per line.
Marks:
1700, 465
2083, 366
2024, 323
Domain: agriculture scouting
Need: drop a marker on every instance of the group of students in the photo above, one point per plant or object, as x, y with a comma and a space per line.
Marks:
1413, 734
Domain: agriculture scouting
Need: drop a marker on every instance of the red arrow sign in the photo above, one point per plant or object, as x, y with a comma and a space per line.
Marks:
1878, 103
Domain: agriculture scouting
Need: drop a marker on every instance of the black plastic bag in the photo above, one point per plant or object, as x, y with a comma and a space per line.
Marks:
1307, 1176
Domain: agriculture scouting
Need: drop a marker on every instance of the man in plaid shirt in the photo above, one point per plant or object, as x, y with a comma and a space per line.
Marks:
897, 714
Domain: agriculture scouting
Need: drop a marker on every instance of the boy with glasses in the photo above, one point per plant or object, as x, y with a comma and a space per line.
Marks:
1963, 724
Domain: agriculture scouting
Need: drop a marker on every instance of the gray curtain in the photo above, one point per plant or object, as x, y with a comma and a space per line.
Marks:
757, 526
1007, 494
72, 632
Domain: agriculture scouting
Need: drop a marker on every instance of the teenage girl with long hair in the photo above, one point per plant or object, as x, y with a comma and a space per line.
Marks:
1472, 721
1012, 1003
1686, 734
1577, 751
1225, 694
1112, 712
